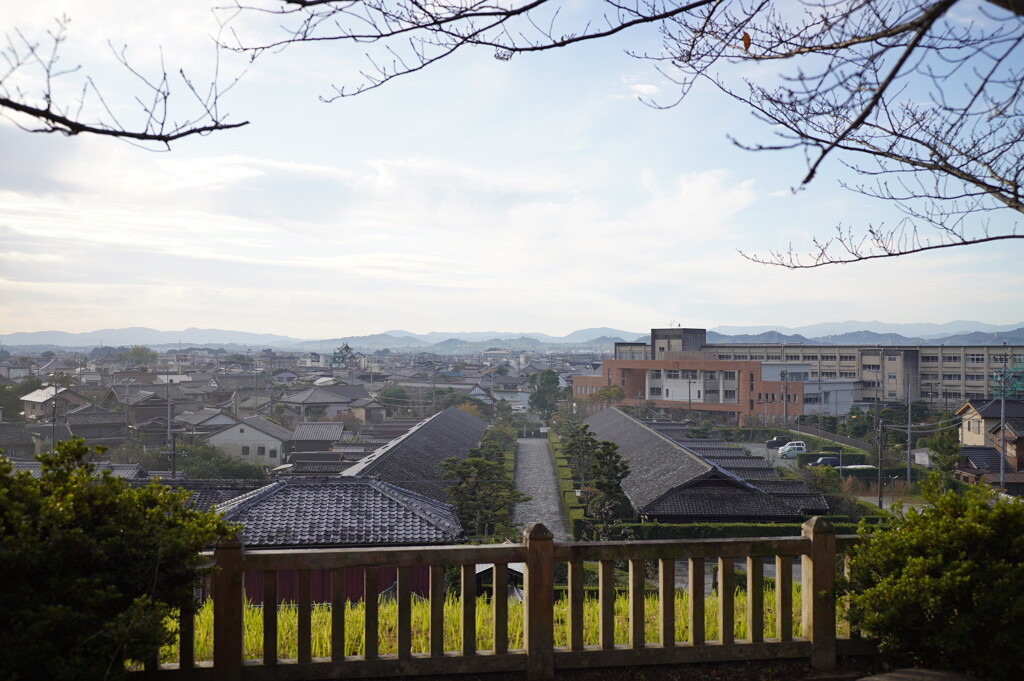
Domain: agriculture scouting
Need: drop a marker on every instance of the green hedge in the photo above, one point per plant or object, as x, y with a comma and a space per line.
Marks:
848, 458
570, 503
656, 530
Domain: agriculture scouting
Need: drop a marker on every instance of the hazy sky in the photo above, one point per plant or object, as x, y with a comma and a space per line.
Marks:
536, 194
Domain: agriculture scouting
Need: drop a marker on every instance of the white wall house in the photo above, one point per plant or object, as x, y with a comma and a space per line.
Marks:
254, 440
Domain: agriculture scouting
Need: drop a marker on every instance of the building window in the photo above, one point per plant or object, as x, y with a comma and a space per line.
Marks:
891, 358
792, 358
847, 374
655, 374
828, 358
690, 374
975, 359
774, 358
729, 394
725, 357
892, 377
241, 430
740, 357
975, 377
757, 357
655, 391
871, 367
950, 359
950, 377
245, 451
710, 375
951, 394
847, 358
828, 374
892, 393
929, 377
730, 376
261, 451
810, 358
929, 358
814, 374
273, 453
812, 399
671, 373
975, 396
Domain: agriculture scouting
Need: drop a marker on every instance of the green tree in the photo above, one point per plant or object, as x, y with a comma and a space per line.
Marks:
141, 355
92, 567
607, 471
944, 445
544, 398
608, 395
483, 495
194, 457
395, 399
939, 586
579, 447
501, 371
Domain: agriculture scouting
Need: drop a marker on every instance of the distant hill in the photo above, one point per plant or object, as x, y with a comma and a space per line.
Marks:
765, 337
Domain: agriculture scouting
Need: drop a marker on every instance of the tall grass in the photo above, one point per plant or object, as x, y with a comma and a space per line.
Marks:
287, 626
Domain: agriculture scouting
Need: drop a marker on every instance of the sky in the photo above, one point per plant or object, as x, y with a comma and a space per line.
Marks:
538, 194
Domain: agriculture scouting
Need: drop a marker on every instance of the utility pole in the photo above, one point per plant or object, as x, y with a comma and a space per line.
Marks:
910, 441
1002, 421
879, 447
785, 399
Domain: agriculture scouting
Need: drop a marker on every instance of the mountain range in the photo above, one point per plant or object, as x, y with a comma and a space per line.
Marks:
594, 339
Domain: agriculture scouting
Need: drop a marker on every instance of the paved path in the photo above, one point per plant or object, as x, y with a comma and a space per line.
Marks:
535, 475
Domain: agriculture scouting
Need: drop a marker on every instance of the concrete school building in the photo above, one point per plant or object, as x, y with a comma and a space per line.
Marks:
772, 383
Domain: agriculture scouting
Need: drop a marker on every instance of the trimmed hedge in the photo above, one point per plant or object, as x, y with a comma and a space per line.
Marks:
656, 530
574, 511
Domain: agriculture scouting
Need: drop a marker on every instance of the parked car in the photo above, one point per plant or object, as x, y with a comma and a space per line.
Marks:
791, 449
831, 461
778, 441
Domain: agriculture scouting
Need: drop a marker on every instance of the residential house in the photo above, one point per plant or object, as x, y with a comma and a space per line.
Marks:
316, 436
16, 442
254, 440
204, 421
368, 410
45, 402
314, 402
413, 461
670, 482
980, 417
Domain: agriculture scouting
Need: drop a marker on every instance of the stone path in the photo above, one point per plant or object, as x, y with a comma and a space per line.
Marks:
535, 475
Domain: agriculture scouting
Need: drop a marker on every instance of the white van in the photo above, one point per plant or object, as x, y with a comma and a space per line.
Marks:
791, 449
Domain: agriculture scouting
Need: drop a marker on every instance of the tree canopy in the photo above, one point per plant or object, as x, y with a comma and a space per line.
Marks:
92, 567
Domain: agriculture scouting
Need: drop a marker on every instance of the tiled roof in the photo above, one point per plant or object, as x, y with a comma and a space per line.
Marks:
293, 512
207, 494
14, 434
991, 409
352, 392
326, 431
128, 471
263, 425
721, 500
657, 464
413, 461
315, 396
714, 487
335, 467
986, 458
197, 417
95, 419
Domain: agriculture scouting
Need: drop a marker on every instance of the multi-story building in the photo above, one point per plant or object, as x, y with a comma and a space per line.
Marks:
772, 383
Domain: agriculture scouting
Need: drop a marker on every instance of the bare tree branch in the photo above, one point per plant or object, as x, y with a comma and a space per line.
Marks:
26, 61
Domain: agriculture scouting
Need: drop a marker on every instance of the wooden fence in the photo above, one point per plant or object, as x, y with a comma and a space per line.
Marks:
819, 549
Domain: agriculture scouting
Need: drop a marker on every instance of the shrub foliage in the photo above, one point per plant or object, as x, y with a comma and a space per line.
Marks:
940, 586
91, 567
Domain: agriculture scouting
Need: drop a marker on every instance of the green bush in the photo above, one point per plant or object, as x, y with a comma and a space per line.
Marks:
940, 586
91, 567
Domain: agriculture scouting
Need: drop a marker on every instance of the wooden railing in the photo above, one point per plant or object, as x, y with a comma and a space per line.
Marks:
816, 639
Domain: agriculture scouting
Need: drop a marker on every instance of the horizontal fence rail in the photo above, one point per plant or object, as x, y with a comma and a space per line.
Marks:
420, 578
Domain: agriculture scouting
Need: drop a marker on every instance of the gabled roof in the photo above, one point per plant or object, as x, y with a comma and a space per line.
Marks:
46, 394
669, 479
200, 417
315, 396
413, 460
294, 512
208, 494
128, 471
353, 392
324, 431
261, 424
985, 458
12, 434
657, 464
991, 409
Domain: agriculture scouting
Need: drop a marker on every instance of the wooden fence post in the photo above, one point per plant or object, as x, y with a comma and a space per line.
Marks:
228, 610
818, 577
538, 619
